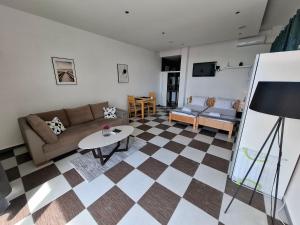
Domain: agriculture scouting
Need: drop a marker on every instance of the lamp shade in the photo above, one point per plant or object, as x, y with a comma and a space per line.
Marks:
277, 98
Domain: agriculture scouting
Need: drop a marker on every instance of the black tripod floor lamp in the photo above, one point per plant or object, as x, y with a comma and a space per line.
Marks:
280, 99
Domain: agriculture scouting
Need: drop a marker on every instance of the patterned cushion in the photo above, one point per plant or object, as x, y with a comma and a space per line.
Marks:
109, 112
56, 126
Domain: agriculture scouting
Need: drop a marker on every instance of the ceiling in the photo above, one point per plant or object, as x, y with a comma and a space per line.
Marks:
279, 12
184, 23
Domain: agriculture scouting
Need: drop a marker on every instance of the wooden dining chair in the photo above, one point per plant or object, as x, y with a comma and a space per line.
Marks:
133, 107
152, 101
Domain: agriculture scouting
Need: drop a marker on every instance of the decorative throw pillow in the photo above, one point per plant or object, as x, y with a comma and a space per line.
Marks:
109, 112
56, 126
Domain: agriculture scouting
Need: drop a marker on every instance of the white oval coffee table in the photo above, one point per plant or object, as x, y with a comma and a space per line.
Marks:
97, 140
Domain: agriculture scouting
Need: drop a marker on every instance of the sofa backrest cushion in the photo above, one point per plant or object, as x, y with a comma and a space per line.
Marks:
97, 109
224, 103
199, 100
41, 128
60, 114
79, 115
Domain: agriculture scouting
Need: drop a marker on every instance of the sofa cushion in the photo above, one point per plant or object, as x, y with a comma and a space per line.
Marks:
97, 109
199, 100
223, 103
60, 114
224, 112
41, 128
80, 115
69, 139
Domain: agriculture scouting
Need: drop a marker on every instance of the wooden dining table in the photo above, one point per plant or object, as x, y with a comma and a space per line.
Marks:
145, 100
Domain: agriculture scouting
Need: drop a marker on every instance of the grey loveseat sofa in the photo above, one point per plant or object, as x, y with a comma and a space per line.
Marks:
80, 122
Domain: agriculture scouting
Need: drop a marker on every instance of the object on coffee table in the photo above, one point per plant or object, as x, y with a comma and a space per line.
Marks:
106, 130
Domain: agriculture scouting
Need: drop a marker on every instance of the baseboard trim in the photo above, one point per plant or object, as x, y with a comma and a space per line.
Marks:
11, 148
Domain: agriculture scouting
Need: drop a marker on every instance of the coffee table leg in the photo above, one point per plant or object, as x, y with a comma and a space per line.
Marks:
98, 154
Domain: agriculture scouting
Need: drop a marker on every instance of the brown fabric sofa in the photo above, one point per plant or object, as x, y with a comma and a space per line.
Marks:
79, 122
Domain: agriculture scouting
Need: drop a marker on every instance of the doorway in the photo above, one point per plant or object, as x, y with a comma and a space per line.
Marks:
173, 89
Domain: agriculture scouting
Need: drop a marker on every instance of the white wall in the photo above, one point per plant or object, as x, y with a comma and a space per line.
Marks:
293, 197
27, 80
231, 83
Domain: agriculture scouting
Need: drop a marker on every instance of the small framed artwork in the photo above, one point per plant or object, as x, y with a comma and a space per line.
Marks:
64, 70
123, 76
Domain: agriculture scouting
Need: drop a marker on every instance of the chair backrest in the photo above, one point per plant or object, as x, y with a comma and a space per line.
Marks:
131, 100
152, 94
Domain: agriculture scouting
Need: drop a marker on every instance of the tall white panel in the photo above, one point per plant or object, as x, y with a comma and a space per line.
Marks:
255, 126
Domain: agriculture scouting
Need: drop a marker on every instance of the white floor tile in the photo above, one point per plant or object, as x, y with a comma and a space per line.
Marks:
9, 163
46, 193
174, 130
152, 123
219, 152
90, 192
187, 213
135, 184
21, 150
163, 117
168, 123
155, 131
136, 158
182, 139
138, 216
165, 156
240, 211
150, 118
212, 177
17, 189
193, 154
83, 218
135, 124
174, 180
137, 131
29, 167
64, 164
159, 141
204, 138
191, 129
28, 220
223, 137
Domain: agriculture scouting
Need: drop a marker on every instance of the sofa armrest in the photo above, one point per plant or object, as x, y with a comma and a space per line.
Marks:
33, 142
122, 113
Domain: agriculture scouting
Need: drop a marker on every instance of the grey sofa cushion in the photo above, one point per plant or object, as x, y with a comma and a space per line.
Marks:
225, 112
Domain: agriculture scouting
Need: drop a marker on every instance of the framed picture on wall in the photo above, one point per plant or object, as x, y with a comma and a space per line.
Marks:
123, 76
64, 70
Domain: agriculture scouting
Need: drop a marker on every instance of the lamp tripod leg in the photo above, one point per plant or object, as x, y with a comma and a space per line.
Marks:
249, 170
265, 162
278, 172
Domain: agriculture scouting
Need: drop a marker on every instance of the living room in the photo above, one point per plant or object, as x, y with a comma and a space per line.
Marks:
108, 54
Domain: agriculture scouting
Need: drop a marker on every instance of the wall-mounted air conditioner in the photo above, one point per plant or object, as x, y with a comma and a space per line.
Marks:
259, 40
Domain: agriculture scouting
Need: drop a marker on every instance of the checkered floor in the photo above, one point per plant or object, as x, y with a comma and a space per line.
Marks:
178, 177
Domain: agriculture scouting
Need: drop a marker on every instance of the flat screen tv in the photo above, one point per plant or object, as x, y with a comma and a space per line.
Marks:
206, 69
